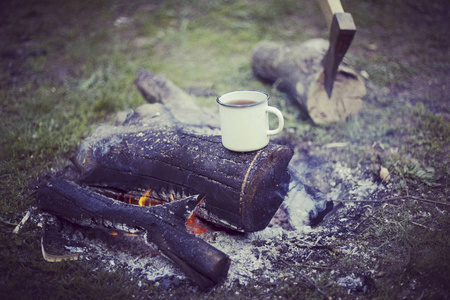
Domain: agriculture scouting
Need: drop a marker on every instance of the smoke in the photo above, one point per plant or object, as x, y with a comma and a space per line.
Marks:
305, 205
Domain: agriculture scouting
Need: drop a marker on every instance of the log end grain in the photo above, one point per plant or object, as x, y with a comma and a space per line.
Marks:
263, 194
298, 71
345, 100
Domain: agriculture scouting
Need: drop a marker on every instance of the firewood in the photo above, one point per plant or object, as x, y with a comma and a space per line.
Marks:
243, 190
171, 145
298, 70
164, 224
156, 88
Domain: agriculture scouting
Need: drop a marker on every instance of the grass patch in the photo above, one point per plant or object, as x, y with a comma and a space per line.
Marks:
412, 246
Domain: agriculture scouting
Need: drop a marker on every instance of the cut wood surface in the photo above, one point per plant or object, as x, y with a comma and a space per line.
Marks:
298, 70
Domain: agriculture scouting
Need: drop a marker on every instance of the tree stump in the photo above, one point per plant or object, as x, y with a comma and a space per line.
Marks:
298, 70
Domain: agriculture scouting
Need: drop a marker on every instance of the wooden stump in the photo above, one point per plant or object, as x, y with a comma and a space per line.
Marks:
298, 70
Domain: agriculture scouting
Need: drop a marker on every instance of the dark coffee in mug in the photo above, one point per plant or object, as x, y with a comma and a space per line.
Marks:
241, 102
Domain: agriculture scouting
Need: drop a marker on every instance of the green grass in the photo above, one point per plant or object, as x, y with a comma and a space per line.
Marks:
411, 245
66, 67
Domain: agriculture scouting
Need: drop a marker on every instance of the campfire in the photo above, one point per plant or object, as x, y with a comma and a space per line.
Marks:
162, 173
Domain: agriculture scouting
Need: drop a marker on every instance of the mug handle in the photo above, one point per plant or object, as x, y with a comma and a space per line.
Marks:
276, 112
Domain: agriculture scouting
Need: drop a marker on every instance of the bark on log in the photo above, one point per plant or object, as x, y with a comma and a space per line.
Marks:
243, 190
164, 224
298, 70
155, 88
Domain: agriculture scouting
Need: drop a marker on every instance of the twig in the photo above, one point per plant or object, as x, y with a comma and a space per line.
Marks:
307, 258
7, 222
318, 267
394, 199
357, 226
314, 246
420, 225
428, 200
22, 222
307, 280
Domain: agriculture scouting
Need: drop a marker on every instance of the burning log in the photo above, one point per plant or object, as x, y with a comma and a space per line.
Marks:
169, 149
164, 225
298, 70
243, 190
171, 146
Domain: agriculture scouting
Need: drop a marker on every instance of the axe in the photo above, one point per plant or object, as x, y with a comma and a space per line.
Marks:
342, 31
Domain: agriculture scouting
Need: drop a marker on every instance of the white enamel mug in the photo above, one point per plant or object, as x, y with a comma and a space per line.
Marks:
244, 120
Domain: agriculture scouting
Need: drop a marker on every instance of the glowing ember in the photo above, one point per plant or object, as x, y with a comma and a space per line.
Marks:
117, 233
149, 198
195, 226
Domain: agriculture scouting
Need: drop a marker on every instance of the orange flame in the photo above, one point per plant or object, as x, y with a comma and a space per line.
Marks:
145, 198
194, 224
130, 234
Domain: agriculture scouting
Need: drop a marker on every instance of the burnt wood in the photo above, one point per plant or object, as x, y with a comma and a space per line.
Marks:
164, 224
170, 146
243, 190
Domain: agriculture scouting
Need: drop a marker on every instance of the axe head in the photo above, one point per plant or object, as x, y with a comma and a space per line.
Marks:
342, 31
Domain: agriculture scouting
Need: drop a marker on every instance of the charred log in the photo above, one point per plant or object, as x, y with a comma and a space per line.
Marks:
164, 224
298, 70
243, 190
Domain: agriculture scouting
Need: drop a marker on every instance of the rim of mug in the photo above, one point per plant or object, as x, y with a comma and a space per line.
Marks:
243, 105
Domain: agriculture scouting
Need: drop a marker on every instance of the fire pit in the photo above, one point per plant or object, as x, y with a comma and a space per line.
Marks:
151, 174
152, 160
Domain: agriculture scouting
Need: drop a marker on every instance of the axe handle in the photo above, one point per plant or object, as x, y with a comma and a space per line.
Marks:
342, 29
329, 8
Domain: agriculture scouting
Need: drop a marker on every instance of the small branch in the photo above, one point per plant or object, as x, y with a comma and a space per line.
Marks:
318, 267
314, 246
394, 199
7, 222
357, 226
420, 225
428, 200
22, 222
